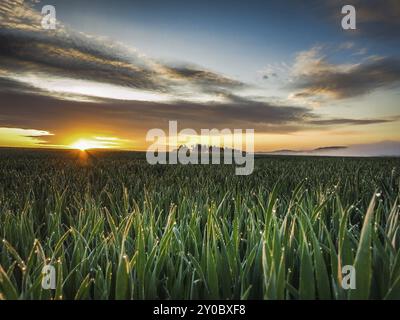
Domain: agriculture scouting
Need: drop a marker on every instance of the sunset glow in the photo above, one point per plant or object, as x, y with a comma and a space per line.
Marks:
106, 85
84, 144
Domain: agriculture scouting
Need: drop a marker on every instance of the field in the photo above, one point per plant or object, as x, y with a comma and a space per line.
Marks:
115, 227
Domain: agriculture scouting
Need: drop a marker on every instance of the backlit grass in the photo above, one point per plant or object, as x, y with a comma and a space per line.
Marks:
117, 228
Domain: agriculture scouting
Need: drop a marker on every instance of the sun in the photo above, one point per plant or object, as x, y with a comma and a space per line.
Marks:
83, 145
96, 142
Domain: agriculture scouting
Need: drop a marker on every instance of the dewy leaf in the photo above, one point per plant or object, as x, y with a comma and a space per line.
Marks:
363, 261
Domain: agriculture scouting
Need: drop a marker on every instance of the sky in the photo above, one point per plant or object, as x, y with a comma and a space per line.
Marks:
113, 70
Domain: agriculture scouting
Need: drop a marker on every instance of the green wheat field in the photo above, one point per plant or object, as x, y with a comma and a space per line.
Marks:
115, 227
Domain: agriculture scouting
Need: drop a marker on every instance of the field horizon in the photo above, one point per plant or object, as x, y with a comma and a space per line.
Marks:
257, 154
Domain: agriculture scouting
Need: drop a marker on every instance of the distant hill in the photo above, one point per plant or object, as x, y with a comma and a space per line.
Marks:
376, 149
316, 150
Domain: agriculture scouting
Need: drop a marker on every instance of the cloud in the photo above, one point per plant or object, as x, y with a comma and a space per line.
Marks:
201, 77
28, 110
267, 76
375, 19
273, 71
132, 119
344, 121
26, 49
26, 137
314, 76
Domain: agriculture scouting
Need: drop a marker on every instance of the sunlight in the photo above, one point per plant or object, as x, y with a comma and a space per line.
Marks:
18, 137
84, 145
75, 89
97, 143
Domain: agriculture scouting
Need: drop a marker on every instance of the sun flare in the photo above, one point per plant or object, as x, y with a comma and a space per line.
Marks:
96, 143
84, 145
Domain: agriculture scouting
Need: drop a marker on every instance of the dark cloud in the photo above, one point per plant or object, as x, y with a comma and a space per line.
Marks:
379, 19
30, 111
267, 76
203, 77
71, 58
84, 59
25, 47
322, 79
12, 86
344, 121
133, 119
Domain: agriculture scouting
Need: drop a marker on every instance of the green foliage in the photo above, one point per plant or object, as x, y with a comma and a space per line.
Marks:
115, 227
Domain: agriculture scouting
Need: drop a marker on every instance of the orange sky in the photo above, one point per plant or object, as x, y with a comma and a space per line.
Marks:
89, 86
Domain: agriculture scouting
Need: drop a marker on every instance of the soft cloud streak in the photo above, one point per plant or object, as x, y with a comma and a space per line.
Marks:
26, 49
315, 76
